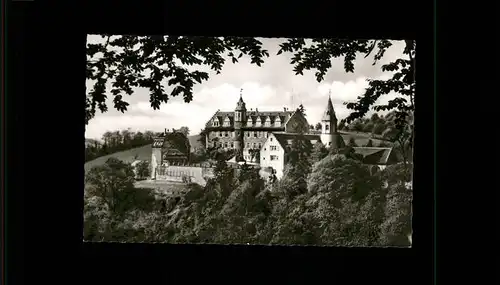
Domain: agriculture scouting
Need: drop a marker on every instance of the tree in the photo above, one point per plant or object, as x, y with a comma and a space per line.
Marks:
396, 227
352, 142
142, 169
369, 143
203, 138
347, 200
110, 181
402, 137
298, 166
357, 125
184, 130
254, 155
367, 128
378, 128
375, 118
125, 60
302, 110
318, 55
342, 125
319, 152
318, 127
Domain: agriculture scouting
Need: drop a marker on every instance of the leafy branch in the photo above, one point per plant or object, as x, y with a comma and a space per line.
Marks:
153, 62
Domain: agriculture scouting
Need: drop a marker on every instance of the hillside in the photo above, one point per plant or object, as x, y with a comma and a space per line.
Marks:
139, 153
360, 138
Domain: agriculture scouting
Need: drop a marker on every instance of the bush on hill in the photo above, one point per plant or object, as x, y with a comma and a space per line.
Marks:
337, 201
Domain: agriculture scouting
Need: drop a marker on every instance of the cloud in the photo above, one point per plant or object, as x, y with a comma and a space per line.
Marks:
269, 87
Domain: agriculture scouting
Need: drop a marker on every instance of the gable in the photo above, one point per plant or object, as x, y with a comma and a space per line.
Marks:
297, 123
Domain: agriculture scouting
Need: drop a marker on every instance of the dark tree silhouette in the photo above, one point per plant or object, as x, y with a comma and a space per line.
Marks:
125, 60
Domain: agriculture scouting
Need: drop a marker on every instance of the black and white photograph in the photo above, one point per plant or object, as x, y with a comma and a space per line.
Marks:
249, 141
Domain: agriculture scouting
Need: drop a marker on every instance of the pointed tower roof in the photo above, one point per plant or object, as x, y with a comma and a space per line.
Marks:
240, 106
329, 113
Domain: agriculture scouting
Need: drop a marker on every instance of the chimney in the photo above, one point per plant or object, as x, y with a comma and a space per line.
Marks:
256, 110
166, 130
284, 109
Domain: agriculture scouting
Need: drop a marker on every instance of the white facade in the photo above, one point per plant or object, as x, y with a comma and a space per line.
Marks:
273, 155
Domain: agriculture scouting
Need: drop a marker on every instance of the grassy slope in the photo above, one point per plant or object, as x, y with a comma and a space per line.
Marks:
143, 153
361, 139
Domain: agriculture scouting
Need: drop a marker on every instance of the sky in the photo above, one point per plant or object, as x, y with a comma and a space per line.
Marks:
269, 87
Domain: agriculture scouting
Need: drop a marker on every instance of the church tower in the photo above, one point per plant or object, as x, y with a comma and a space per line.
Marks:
239, 120
329, 134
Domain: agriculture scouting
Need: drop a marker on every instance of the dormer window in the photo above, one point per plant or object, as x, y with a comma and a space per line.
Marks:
227, 122
268, 122
277, 122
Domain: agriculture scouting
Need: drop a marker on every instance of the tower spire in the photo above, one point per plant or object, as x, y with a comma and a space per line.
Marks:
241, 94
330, 94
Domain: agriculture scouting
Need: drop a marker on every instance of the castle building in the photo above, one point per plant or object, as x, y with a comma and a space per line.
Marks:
273, 153
244, 130
170, 148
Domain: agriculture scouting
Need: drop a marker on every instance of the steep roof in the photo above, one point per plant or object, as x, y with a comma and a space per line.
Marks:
172, 143
329, 113
253, 115
285, 139
377, 155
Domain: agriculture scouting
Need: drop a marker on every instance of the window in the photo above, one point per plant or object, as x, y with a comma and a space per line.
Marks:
264, 149
327, 127
260, 145
254, 134
273, 147
248, 134
248, 145
274, 157
254, 145
220, 134
226, 134
225, 145
232, 145
271, 139
263, 158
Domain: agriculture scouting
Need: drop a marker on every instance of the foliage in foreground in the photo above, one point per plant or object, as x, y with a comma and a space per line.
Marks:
342, 203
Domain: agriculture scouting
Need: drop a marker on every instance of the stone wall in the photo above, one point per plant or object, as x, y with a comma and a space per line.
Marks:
196, 173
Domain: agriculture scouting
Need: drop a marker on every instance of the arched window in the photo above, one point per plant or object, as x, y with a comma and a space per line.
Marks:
327, 127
